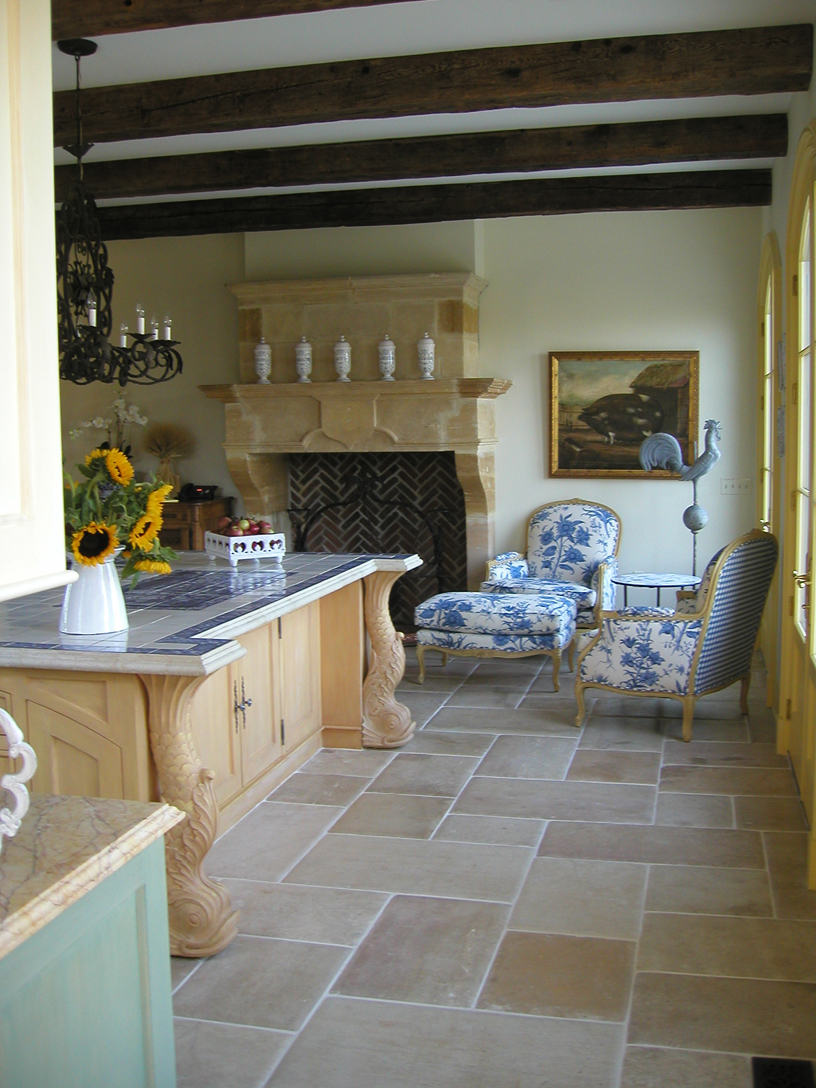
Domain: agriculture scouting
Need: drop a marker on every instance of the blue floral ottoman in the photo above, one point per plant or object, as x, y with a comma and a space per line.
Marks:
495, 625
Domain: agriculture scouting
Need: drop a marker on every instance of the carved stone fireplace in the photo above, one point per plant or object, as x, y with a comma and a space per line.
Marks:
454, 413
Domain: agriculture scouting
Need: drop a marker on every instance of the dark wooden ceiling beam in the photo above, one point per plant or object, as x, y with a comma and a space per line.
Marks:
92, 18
755, 61
439, 203
634, 144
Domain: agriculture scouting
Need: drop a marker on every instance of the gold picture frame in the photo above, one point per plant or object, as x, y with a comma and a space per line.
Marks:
604, 403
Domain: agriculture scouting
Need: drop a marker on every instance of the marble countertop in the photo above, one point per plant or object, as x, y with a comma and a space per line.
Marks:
183, 623
64, 848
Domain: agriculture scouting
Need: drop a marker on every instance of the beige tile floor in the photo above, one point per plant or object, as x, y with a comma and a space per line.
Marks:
509, 903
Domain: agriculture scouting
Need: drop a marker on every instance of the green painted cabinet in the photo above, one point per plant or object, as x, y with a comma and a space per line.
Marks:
86, 1002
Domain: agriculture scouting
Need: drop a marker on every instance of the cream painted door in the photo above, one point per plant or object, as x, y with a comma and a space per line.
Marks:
300, 673
32, 541
256, 684
798, 696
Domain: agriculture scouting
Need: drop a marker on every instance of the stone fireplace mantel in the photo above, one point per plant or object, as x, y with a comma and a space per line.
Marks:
264, 423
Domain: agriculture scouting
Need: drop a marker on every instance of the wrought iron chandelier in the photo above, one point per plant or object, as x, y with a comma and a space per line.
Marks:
85, 288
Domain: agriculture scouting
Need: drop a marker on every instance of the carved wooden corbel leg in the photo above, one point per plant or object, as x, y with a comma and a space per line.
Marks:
202, 920
386, 723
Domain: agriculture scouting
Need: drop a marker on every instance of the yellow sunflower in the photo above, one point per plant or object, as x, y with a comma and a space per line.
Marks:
94, 543
156, 498
145, 531
95, 455
153, 566
120, 469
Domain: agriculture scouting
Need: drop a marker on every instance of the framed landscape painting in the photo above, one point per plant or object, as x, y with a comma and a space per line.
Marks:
604, 403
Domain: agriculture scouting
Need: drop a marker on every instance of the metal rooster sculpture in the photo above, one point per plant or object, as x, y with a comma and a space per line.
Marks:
662, 450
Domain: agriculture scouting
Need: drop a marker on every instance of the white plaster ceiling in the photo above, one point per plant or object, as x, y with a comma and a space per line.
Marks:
419, 27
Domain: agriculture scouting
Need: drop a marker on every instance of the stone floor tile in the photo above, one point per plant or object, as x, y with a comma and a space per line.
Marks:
729, 780
434, 684
700, 753
359, 763
543, 974
762, 724
528, 757
260, 982
787, 864
214, 1055
433, 775
449, 744
415, 867
582, 898
700, 944
545, 800
267, 841
635, 734
181, 967
731, 730
397, 814
351, 1043
501, 669
592, 765
628, 706
694, 810
666, 845
658, 1067
770, 813
720, 706
427, 951
692, 889
422, 704
487, 695
319, 789
557, 721
490, 829
294, 913
736, 1015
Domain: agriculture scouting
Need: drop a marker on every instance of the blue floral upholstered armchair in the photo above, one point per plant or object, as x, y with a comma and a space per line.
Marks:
567, 541
706, 645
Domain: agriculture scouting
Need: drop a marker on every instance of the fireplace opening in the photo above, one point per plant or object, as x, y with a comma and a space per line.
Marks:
384, 502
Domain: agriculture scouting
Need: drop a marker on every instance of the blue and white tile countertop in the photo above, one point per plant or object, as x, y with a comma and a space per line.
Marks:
182, 623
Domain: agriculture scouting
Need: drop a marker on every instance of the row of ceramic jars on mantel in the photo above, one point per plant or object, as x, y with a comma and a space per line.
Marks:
342, 359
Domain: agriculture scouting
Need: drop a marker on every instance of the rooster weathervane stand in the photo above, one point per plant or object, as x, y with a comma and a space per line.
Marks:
662, 450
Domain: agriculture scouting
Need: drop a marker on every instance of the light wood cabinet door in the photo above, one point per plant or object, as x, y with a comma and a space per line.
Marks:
256, 678
71, 758
216, 733
300, 673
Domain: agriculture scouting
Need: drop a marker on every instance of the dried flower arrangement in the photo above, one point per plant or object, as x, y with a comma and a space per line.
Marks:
169, 442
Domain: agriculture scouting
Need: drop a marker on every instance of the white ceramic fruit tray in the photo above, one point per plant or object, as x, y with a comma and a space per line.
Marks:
235, 548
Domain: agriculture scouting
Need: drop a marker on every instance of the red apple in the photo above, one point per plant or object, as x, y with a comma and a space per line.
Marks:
253, 529
264, 527
234, 530
223, 523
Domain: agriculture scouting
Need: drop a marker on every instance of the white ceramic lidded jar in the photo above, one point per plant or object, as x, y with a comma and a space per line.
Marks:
303, 360
388, 358
342, 359
263, 361
425, 354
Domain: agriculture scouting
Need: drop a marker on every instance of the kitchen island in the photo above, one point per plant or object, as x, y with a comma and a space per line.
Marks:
84, 965
225, 682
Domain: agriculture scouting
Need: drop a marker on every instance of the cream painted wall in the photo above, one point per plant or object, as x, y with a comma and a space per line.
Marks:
361, 251
185, 277
640, 280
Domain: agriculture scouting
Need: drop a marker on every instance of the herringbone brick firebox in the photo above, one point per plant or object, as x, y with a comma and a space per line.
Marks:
387, 502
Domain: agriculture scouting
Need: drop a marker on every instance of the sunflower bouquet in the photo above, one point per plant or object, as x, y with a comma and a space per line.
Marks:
108, 511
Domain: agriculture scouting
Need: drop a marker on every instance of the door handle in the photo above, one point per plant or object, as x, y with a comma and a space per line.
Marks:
802, 580
244, 701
